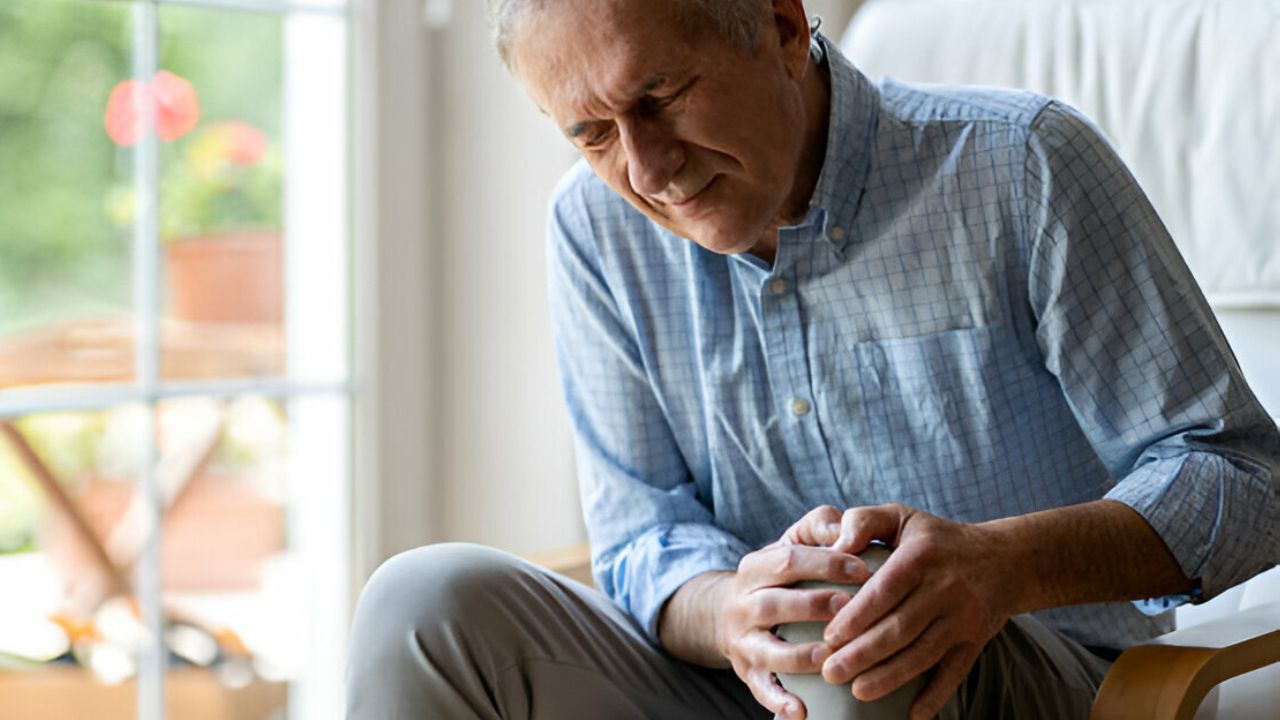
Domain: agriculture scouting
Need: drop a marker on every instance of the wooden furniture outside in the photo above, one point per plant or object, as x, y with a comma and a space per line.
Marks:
70, 693
100, 350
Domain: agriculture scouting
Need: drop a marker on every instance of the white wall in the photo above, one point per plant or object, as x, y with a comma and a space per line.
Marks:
505, 451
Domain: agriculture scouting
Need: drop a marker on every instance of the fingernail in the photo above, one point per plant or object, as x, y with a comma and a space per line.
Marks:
839, 601
850, 567
833, 530
819, 654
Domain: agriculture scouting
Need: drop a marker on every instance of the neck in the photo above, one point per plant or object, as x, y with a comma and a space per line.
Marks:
815, 89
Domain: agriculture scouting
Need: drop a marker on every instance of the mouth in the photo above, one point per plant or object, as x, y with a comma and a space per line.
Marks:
690, 201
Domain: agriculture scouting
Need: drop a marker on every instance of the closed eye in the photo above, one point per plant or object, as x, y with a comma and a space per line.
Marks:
597, 139
595, 136
651, 104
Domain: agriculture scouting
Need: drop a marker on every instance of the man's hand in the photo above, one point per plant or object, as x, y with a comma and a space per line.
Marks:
947, 589
755, 599
936, 602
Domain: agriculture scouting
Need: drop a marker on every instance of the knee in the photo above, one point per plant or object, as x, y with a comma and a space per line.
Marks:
436, 581
423, 591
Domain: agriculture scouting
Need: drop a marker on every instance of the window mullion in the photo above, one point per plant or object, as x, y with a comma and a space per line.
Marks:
146, 304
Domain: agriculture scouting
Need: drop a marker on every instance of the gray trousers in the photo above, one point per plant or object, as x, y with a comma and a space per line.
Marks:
464, 632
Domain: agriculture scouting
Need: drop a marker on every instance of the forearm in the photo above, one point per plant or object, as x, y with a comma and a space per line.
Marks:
1100, 551
688, 626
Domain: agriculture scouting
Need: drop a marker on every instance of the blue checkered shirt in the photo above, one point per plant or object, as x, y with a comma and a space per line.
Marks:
980, 316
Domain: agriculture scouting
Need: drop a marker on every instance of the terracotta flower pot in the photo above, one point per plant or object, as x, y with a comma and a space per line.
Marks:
233, 277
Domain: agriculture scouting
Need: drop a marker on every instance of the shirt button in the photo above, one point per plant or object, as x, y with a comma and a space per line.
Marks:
836, 232
778, 286
799, 407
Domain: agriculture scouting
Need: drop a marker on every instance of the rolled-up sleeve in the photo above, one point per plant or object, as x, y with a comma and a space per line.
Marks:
1143, 363
649, 531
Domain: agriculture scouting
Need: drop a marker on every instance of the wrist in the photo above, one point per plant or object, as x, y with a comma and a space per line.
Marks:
1008, 553
1100, 551
691, 625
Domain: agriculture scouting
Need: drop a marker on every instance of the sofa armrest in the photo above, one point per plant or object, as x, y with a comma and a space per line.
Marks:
1169, 676
573, 561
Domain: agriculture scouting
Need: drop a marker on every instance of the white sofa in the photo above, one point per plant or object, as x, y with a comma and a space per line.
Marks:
1188, 91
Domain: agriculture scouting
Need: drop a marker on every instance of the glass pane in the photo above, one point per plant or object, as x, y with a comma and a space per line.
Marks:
221, 195
65, 193
233, 603
249, 547
242, 586
70, 637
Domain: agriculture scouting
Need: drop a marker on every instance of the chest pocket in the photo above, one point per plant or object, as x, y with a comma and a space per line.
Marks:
928, 402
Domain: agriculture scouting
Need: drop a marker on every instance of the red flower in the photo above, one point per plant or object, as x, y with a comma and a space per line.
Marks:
177, 107
123, 120
175, 103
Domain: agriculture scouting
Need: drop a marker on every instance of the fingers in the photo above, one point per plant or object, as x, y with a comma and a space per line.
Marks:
819, 527
782, 565
860, 525
891, 584
767, 651
901, 629
766, 690
911, 662
951, 671
776, 606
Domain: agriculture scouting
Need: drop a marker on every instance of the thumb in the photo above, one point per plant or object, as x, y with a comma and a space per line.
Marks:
859, 526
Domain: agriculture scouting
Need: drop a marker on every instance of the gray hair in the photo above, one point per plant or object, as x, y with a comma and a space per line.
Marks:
738, 21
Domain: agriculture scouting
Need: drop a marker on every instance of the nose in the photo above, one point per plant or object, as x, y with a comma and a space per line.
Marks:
653, 155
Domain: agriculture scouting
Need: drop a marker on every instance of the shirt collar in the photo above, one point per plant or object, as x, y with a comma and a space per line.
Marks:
851, 128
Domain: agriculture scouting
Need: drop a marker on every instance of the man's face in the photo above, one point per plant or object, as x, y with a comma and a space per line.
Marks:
703, 136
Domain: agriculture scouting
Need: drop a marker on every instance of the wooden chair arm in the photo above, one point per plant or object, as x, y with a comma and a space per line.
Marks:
1169, 676
573, 561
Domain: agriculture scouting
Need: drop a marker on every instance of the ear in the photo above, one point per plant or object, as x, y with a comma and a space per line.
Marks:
792, 25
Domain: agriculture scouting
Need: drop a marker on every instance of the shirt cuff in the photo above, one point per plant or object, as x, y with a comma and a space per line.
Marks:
658, 562
1205, 509
1162, 605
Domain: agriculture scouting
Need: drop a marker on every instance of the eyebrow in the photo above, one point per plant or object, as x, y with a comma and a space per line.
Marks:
651, 84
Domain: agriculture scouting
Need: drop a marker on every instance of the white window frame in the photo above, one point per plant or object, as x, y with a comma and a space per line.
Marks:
319, 387
397, 321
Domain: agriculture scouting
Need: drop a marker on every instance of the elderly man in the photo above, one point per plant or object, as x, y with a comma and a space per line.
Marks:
797, 313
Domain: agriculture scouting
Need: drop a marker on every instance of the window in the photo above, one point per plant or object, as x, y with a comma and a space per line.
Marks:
175, 358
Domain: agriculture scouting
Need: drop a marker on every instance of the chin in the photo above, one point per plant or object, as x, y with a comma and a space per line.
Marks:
721, 240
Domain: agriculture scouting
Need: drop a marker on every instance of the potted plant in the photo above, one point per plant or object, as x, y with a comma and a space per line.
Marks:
220, 205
